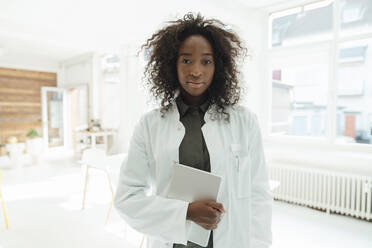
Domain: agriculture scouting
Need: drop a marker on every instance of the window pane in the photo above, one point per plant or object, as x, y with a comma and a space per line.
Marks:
299, 94
111, 63
310, 23
111, 91
55, 118
356, 16
354, 112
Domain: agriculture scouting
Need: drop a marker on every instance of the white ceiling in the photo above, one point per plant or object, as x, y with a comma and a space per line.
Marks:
54, 30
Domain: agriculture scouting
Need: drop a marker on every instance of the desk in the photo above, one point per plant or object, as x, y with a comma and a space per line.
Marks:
90, 138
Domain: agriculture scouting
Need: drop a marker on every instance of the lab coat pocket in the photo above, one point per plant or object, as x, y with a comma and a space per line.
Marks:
241, 171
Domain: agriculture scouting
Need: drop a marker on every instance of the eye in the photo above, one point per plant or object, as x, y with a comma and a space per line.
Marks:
186, 61
207, 62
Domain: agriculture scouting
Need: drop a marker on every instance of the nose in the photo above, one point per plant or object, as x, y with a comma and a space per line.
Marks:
196, 71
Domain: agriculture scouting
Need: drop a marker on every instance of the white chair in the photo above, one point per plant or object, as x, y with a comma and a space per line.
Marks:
16, 153
94, 158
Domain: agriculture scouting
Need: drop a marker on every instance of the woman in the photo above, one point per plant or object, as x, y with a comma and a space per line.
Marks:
192, 69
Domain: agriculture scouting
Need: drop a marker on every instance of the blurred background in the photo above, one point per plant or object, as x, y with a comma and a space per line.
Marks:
71, 91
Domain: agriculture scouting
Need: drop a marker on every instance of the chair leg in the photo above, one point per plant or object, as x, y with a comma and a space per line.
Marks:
4, 212
112, 198
3, 204
143, 240
109, 212
85, 186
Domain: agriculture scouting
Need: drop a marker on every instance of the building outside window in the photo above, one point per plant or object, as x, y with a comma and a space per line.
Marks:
320, 55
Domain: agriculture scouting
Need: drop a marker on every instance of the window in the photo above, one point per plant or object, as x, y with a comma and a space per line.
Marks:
299, 92
308, 23
355, 16
354, 92
320, 76
111, 91
111, 64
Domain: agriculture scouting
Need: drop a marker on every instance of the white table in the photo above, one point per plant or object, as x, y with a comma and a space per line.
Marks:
93, 138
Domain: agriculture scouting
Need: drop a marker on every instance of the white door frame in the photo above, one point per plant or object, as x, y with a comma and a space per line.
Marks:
44, 107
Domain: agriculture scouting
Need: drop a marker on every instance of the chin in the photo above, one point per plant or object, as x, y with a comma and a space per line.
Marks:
193, 93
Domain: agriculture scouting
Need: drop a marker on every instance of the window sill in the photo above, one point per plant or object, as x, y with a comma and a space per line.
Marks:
318, 143
318, 153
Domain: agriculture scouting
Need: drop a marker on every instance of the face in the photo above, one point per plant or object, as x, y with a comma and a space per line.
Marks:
195, 67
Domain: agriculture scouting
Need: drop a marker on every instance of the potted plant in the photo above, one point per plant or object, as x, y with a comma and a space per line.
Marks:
34, 145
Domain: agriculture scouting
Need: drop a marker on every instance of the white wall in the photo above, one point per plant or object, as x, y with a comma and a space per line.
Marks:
27, 62
84, 70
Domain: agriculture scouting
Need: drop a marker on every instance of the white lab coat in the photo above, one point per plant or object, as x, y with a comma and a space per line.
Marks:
236, 154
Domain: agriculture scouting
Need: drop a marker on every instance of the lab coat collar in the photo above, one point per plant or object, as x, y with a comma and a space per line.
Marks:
183, 107
174, 115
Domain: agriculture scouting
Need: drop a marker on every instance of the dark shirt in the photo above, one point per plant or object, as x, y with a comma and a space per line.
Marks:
193, 150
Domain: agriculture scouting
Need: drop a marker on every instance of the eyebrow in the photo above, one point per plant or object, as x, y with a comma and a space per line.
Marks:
189, 54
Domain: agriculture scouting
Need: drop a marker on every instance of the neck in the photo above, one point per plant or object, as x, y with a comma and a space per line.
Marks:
193, 100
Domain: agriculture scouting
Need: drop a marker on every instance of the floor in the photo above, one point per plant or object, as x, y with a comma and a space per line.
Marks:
44, 210
302, 227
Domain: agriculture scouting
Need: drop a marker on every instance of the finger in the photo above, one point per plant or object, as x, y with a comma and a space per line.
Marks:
207, 227
218, 220
221, 208
214, 213
209, 221
217, 206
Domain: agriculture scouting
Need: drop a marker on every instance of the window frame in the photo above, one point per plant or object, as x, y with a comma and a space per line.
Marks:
329, 140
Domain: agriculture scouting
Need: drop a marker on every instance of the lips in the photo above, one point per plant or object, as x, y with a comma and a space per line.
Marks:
195, 84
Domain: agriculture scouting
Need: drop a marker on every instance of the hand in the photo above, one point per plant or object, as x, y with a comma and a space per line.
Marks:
205, 213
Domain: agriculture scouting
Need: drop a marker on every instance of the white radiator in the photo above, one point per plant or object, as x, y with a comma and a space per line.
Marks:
325, 190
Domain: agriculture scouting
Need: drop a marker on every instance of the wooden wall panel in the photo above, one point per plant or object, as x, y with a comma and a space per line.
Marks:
28, 74
20, 101
18, 91
23, 83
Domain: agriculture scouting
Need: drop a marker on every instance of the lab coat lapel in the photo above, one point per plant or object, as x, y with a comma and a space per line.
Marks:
177, 132
214, 134
169, 137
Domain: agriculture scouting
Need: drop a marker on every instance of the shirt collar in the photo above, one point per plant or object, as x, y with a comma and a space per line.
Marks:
183, 107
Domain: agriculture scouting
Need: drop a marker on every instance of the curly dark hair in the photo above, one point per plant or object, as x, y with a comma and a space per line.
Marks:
161, 69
